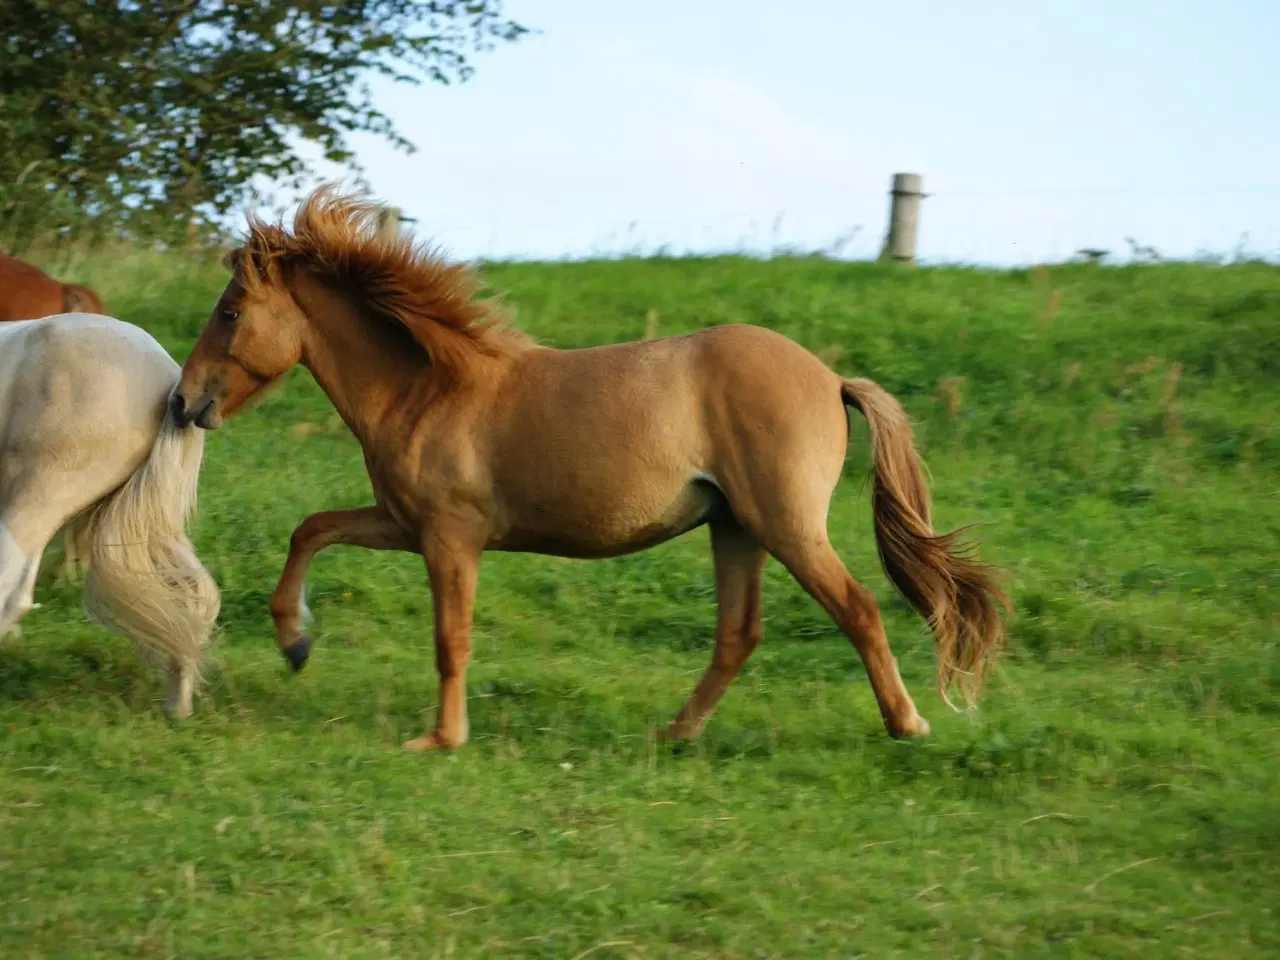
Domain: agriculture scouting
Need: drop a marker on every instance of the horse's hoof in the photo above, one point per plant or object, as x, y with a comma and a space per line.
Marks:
430, 741
917, 726
421, 744
298, 652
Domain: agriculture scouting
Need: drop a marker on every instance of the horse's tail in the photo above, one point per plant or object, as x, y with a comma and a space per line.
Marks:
144, 578
936, 573
77, 298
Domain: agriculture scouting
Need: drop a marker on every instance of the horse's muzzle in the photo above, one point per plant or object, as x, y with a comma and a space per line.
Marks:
202, 411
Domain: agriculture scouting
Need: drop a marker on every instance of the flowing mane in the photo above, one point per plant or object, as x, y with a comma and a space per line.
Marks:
335, 239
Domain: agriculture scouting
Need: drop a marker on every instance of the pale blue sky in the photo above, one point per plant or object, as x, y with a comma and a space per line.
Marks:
1039, 128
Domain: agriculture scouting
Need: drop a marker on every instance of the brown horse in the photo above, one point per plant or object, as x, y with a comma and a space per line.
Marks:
476, 438
28, 293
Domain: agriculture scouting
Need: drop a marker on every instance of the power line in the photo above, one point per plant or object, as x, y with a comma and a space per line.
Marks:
1001, 194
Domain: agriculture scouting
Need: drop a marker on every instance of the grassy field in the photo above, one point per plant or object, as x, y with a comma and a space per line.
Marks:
1114, 430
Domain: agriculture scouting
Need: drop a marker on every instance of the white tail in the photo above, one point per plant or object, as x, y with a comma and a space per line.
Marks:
144, 579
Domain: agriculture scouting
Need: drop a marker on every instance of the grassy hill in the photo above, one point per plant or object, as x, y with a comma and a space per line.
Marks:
1114, 431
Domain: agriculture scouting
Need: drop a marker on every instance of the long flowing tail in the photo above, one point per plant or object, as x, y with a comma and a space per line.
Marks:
144, 579
936, 573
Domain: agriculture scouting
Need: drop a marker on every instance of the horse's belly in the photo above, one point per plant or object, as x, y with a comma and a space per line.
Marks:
586, 531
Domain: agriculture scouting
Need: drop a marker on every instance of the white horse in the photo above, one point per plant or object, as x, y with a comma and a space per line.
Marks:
87, 443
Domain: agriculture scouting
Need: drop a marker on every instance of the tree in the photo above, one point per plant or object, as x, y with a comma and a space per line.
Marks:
153, 113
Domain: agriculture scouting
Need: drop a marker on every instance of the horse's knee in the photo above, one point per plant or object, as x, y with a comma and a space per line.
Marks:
734, 646
312, 532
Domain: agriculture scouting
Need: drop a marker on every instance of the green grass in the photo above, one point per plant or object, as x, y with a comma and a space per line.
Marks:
1117, 794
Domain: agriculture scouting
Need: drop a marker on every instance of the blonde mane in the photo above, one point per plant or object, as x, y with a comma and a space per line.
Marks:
335, 238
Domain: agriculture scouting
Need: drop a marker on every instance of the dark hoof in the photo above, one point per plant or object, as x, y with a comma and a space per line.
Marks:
297, 652
680, 747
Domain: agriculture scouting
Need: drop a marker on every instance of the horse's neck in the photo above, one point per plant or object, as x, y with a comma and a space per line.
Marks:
365, 367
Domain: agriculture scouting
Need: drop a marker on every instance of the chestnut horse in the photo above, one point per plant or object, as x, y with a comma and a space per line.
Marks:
476, 438
27, 293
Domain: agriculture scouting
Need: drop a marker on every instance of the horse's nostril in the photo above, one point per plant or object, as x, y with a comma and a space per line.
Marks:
179, 406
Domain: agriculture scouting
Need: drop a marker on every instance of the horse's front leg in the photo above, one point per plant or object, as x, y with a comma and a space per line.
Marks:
370, 527
452, 563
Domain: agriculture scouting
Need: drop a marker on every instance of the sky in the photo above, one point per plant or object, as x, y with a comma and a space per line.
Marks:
1040, 127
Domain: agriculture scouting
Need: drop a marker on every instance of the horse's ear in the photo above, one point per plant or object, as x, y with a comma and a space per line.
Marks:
77, 298
231, 259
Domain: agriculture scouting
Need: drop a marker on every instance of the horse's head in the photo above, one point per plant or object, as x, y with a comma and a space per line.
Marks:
253, 336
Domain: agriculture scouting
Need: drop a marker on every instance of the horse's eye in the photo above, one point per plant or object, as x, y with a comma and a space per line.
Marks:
229, 314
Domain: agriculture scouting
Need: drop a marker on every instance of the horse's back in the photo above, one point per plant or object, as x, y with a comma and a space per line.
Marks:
704, 360
669, 392
703, 374
81, 340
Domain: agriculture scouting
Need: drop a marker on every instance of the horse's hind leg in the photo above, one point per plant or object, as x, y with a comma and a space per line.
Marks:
25, 530
75, 552
17, 581
739, 560
819, 570
29, 519
177, 701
